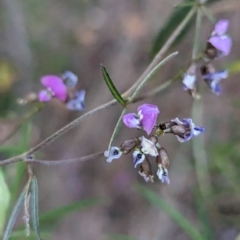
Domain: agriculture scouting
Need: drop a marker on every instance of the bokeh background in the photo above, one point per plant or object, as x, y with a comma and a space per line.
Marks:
51, 36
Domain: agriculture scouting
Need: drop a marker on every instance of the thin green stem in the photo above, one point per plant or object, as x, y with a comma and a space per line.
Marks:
196, 44
199, 152
116, 129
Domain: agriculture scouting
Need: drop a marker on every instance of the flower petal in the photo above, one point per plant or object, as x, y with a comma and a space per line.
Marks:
148, 147
150, 113
70, 79
56, 85
221, 27
114, 153
131, 120
213, 80
189, 82
44, 96
222, 43
77, 103
138, 157
162, 174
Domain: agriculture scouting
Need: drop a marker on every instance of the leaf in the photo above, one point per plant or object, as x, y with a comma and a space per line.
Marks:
173, 213
14, 215
111, 87
34, 207
172, 23
4, 200
50, 218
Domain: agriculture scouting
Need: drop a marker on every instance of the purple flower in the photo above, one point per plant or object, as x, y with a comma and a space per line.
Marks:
114, 153
77, 103
213, 79
184, 130
54, 88
219, 39
145, 118
162, 174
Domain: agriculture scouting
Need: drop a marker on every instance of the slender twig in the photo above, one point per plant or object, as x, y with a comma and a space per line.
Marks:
57, 162
116, 129
75, 122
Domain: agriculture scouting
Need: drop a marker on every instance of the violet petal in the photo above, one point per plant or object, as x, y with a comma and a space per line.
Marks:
56, 85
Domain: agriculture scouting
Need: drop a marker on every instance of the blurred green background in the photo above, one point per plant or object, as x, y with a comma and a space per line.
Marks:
97, 200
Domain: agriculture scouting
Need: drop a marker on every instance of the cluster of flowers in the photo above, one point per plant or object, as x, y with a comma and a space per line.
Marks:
143, 148
218, 45
63, 89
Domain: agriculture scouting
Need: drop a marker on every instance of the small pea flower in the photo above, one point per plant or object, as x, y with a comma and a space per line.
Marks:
162, 174
146, 171
54, 88
212, 78
184, 130
77, 102
138, 157
114, 153
148, 147
69, 79
219, 41
189, 78
145, 118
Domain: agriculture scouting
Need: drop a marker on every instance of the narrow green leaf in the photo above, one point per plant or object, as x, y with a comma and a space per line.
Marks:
111, 87
172, 212
50, 218
34, 207
172, 23
14, 215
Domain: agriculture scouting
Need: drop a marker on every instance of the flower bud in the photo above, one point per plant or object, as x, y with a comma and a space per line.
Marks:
162, 158
129, 145
146, 171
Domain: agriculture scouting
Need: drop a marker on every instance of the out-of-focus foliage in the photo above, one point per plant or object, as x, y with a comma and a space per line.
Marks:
4, 200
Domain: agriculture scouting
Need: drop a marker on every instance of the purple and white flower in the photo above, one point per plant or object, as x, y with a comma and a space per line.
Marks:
213, 79
145, 118
77, 102
54, 88
113, 153
184, 130
162, 174
138, 157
